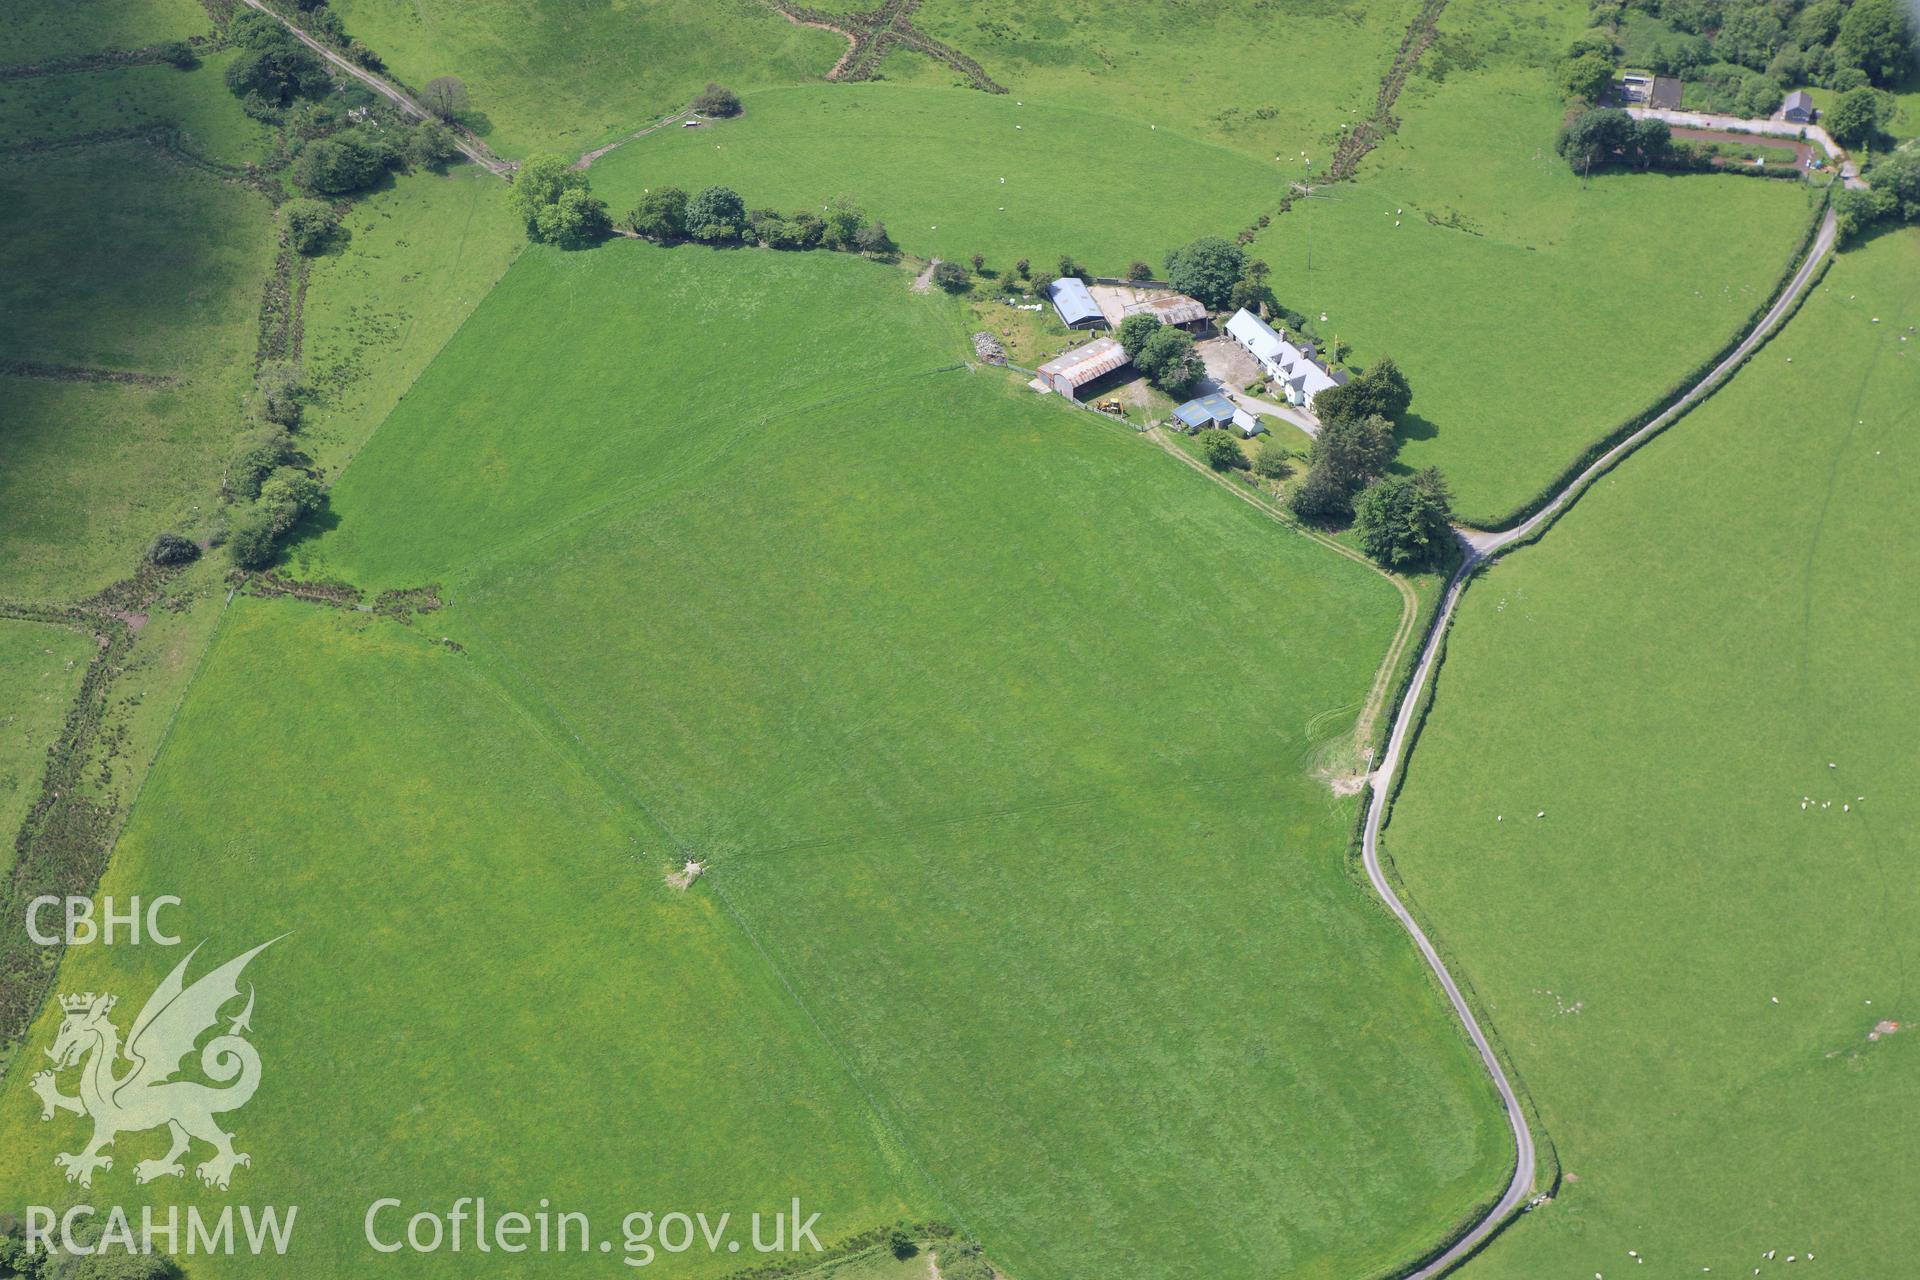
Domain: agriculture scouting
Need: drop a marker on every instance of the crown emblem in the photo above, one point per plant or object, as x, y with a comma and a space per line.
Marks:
77, 1004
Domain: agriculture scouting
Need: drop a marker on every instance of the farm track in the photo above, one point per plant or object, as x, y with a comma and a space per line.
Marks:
1481, 549
587, 158
470, 146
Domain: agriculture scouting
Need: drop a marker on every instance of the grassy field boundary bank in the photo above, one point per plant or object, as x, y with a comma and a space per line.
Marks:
874, 34
1409, 655
414, 380
1357, 143
64, 843
1475, 1018
1534, 535
43, 372
1673, 395
94, 137
1439, 619
107, 59
1365, 136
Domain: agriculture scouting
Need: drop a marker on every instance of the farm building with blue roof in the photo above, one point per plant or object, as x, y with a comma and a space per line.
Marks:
1071, 298
1215, 410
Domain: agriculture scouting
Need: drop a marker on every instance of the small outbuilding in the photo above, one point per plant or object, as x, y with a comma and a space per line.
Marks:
1176, 309
1798, 107
1667, 92
1072, 299
1068, 373
1215, 410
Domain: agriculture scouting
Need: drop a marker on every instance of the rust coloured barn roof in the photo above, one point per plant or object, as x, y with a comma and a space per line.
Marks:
1083, 364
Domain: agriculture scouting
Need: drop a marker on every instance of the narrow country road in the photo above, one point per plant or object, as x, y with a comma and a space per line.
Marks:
1481, 547
472, 148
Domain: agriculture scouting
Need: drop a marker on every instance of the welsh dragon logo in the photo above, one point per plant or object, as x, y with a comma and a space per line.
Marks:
147, 1095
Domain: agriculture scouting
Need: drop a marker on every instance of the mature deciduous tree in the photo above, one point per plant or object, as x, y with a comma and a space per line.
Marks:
1405, 522
717, 215
1134, 332
1854, 116
1220, 450
1207, 269
716, 100
1875, 36
661, 214
445, 96
1169, 360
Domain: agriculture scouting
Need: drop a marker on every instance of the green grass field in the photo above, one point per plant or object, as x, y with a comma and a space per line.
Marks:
41, 29
1532, 311
40, 671
41, 108
702, 350
836, 708
487, 988
422, 255
554, 76
962, 693
1266, 79
1080, 182
168, 285
1684, 962
154, 285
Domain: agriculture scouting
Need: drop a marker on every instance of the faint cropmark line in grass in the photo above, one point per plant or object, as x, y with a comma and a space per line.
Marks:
147, 1096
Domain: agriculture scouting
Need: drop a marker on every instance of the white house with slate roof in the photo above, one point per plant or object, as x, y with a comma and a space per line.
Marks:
1299, 376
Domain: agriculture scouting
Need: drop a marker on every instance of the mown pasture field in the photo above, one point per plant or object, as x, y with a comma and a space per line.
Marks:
550, 76
420, 256
486, 987
962, 693
165, 285
585, 378
1703, 675
930, 163
41, 29
40, 670
1533, 311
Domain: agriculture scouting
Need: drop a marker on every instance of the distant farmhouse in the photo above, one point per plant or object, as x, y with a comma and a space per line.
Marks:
1177, 310
1798, 108
1215, 410
1068, 373
1299, 375
1071, 298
